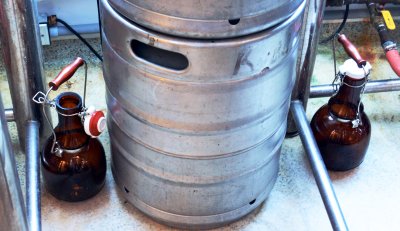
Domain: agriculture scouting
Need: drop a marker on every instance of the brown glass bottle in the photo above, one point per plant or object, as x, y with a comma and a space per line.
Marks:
78, 171
342, 143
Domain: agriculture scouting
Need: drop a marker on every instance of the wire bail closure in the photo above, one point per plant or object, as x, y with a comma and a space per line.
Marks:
340, 76
43, 99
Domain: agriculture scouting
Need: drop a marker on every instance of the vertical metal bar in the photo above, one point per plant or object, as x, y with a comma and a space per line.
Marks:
23, 60
317, 165
312, 23
33, 176
12, 210
22, 57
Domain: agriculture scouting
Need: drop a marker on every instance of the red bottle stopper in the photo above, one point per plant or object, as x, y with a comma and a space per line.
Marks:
95, 122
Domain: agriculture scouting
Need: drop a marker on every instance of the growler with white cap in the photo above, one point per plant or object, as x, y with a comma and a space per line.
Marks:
341, 128
73, 160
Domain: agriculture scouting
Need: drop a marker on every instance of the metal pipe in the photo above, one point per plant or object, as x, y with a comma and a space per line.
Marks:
22, 57
33, 176
12, 210
312, 23
57, 31
317, 165
9, 113
375, 86
388, 44
344, 2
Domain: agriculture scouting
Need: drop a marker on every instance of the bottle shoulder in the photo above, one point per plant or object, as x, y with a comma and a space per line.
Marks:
327, 126
89, 156
344, 109
325, 114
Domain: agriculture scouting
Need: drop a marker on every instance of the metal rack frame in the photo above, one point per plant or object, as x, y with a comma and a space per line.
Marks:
22, 55
297, 121
302, 91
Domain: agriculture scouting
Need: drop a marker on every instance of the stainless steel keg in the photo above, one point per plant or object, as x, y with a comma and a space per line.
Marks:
206, 18
196, 126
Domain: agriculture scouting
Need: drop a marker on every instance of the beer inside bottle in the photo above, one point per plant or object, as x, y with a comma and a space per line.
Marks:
341, 128
77, 170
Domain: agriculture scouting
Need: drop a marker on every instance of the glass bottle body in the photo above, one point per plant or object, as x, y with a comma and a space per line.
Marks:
78, 171
342, 129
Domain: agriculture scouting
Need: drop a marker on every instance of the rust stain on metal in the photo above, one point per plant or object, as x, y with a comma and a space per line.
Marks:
152, 40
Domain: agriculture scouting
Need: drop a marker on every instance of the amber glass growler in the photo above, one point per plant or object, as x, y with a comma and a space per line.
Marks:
341, 128
74, 167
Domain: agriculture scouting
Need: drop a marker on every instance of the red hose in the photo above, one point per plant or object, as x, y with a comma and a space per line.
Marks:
393, 58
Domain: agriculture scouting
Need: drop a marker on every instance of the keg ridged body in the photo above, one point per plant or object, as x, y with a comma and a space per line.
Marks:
196, 125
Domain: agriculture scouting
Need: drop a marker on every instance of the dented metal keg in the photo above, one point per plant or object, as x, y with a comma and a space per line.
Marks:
206, 18
196, 126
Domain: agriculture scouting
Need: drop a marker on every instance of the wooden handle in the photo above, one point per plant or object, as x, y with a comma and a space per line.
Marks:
351, 50
66, 73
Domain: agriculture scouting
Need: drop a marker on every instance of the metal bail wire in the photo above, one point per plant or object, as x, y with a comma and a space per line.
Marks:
340, 76
358, 120
336, 74
42, 98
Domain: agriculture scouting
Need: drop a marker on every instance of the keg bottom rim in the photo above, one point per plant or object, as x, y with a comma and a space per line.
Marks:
196, 222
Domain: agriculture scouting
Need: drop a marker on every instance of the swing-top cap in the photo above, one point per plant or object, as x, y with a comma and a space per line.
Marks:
95, 122
351, 69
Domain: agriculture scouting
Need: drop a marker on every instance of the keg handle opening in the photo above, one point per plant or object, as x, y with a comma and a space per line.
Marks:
163, 58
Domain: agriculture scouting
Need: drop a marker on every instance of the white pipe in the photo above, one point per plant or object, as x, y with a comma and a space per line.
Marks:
61, 31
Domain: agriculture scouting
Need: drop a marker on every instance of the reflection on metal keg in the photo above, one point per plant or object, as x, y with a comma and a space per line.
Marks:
207, 19
196, 125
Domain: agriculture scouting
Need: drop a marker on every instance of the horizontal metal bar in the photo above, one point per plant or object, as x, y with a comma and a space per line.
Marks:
359, 12
33, 209
318, 168
344, 2
9, 114
375, 86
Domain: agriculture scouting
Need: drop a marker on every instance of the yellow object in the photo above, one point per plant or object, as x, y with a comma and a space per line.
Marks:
387, 16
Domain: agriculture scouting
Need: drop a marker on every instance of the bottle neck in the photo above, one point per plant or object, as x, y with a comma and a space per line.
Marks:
70, 132
68, 106
70, 122
346, 102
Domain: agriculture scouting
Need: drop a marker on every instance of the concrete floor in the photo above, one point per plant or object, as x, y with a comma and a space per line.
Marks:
369, 194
